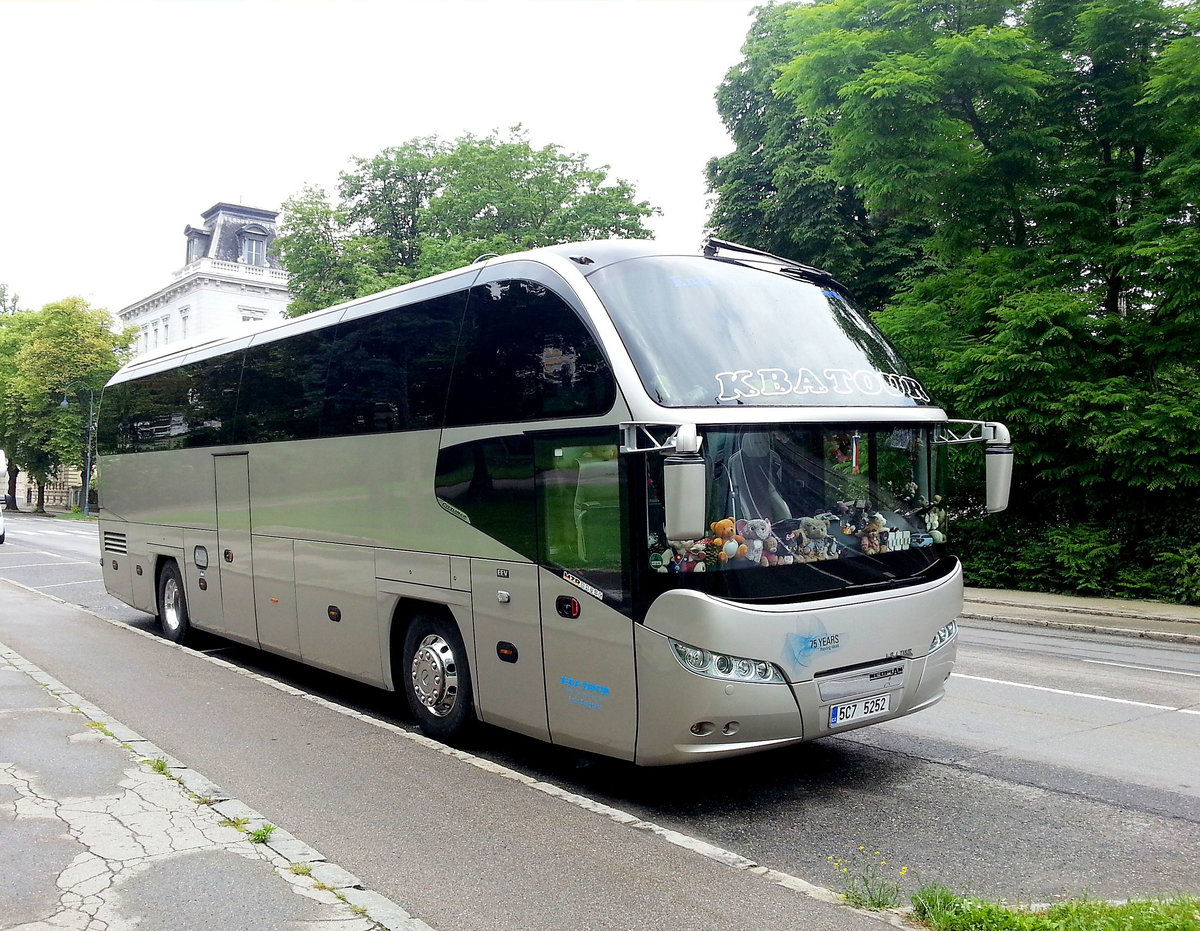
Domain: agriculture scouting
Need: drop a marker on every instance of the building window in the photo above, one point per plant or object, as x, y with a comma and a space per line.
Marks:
183, 319
254, 251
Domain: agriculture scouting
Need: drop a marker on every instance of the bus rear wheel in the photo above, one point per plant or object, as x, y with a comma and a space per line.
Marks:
437, 679
172, 604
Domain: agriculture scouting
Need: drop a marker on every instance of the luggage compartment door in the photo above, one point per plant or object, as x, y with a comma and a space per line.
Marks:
234, 556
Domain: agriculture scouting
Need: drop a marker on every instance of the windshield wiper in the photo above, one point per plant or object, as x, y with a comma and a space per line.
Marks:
767, 261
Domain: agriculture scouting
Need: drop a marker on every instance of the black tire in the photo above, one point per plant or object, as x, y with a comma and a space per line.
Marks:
437, 678
172, 604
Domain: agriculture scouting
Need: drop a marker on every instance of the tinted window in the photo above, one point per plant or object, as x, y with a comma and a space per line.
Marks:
389, 371
525, 355
489, 484
210, 400
114, 426
283, 389
193, 405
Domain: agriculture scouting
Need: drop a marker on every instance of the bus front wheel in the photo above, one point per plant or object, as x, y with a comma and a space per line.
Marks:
172, 604
437, 680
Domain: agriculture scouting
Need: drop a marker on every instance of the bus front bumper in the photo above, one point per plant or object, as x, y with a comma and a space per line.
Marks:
684, 717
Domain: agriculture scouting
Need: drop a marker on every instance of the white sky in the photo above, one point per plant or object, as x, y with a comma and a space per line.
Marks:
121, 122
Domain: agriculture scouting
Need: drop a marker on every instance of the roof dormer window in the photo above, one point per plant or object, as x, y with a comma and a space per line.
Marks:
253, 245
254, 251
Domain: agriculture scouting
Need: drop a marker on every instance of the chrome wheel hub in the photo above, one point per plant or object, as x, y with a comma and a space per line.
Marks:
435, 675
171, 604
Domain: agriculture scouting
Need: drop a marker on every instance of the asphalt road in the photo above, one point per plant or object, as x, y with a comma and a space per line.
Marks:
1059, 764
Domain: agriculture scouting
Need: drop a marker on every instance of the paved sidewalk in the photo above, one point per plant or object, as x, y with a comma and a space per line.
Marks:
100, 830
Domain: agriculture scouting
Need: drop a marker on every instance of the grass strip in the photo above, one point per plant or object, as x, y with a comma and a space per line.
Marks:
939, 908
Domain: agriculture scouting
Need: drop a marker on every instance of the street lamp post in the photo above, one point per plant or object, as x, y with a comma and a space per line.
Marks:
87, 452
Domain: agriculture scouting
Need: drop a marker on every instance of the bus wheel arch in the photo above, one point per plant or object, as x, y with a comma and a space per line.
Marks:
430, 663
171, 601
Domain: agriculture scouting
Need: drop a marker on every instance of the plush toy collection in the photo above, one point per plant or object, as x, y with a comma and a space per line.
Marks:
735, 544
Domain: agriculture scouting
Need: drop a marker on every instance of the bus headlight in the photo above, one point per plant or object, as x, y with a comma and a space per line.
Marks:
944, 636
723, 666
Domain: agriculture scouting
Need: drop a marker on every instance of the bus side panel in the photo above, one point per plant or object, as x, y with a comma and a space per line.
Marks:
114, 558
275, 595
142, 588
336, 609
169, 488
236, 560
510, 688
204, 604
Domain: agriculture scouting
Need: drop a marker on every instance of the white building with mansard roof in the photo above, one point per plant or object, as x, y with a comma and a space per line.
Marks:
229, 279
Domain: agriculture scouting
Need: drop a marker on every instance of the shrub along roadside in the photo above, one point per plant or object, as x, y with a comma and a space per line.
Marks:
939, 908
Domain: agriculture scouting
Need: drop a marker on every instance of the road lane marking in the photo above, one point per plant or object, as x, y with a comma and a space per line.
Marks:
1169, 672
43, 565
77, 582
1046, 688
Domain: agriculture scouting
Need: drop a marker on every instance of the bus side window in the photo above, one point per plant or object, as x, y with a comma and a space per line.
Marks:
524, 354
579, 510
489, 484
389, 371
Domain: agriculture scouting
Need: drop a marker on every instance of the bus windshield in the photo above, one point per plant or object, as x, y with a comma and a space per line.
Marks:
808, 508
707, 333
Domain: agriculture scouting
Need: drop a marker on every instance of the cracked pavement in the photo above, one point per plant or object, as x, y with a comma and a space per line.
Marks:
101, 831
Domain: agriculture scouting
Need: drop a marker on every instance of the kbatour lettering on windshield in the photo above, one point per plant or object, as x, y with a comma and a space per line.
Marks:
771, 382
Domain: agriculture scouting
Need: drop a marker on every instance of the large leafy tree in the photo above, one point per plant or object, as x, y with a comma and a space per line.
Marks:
429, 206
15, 328
777, 190
1045, 154
65, 351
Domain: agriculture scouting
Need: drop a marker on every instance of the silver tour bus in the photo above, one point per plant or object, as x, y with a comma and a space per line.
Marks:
654, 505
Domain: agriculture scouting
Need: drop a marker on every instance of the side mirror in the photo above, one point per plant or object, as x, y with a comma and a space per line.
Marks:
998, 466
685, 496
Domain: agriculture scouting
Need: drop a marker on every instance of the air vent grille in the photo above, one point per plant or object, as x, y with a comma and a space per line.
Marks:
115, 542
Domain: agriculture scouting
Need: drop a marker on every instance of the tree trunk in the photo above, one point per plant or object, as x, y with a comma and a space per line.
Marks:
10, 494
41, 501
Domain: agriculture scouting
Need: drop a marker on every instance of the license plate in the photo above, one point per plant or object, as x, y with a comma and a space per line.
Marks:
853, 711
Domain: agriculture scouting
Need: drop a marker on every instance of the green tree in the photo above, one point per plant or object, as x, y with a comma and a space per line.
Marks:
1045, 154
430, 206
326, 263
15, 327
777, 191
63, 351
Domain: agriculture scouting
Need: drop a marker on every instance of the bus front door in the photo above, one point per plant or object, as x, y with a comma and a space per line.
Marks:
587, 643
591, 688
233, 547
